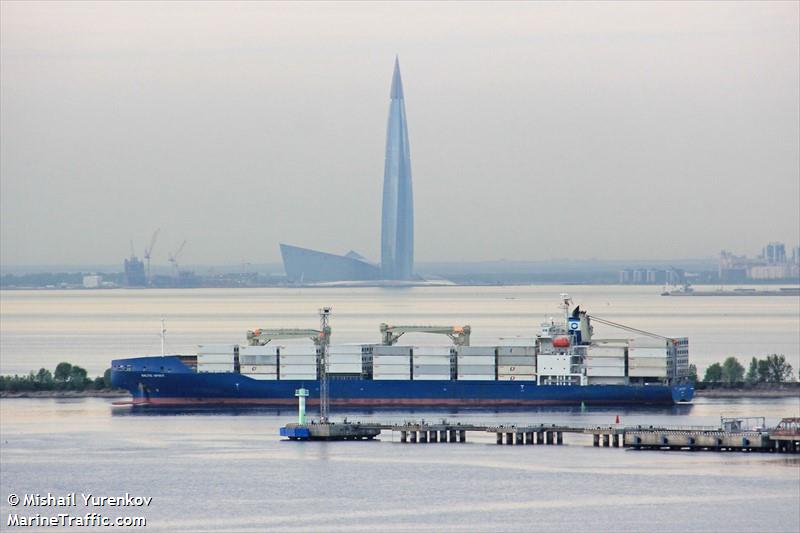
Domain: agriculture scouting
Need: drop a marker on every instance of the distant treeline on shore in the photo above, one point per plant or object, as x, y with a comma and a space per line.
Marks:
773, 370
65, 377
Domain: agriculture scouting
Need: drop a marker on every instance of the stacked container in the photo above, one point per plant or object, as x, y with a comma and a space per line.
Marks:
216, 357
476, 363
345, 359
605, 361
647, 358
516, 363
391, 363
298, 362
431, 363
259, 362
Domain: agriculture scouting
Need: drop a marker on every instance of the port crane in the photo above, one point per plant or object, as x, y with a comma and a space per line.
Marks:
149, 250
458, 334
173, 257
260, 337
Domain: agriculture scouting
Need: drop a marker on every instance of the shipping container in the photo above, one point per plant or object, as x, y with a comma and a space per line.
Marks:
647, 372
390, 369
392, 377
612, 362
431, 359
391, 350
520, 377
476, 377
344, 358
431, 350
258, 369
476, 369
268, 349
308, 377
516, 351
651, 353
214, 368
216, 348
476, 351
605, 371
345, 349
605, 351
258, 359
432, 377
516, 360
605, 381
391, 360
475, 360
516, 369
215, 359
344, 368
297, 349
432, 369
298, 359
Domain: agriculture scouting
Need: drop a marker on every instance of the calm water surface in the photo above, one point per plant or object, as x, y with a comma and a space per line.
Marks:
212, 470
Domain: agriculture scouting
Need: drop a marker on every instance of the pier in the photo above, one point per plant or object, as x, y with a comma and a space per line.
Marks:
785, 438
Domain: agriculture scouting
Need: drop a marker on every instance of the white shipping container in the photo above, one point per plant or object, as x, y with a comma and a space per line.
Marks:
268, 349
518, 377
647, 372
475, 351
647, 363
258, 369
298, 359
214, 368
298, 349
605, 381
647, 352
431, 359
258, 359
431, 377
345, 349
431, 350
516, 369
605, 351
391, 377
516, 360
516, 351
213, 358
612, 362
476, 377
390, 360
339, 358
476, 369
304, 377
391, 369
263, 377
647, 342
432, 369
605, 371
344, 368
391, 350
475, 360
216, 348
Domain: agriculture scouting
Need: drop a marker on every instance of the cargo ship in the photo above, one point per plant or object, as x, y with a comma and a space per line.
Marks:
564, 365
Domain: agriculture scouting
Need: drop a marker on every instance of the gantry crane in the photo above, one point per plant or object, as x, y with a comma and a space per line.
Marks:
458, 334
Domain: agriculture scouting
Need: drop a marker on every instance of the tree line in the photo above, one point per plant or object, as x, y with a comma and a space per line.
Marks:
66, 377
773, 369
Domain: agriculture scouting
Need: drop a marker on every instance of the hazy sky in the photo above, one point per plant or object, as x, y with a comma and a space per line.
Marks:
542, 130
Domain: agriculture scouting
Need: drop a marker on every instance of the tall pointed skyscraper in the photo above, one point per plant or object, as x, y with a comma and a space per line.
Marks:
397, 219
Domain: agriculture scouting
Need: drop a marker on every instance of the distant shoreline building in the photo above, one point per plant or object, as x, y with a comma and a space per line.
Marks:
772, 264
397, 217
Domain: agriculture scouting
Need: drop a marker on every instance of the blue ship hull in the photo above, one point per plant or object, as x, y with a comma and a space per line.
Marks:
166, 381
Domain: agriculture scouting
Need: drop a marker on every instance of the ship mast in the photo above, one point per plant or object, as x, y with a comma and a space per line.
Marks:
324, 396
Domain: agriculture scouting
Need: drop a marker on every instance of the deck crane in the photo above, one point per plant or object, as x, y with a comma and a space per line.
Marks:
173, 257
458, 334
260, 337
149, 250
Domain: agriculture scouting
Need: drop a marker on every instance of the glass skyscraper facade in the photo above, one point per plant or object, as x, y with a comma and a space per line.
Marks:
397, 219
